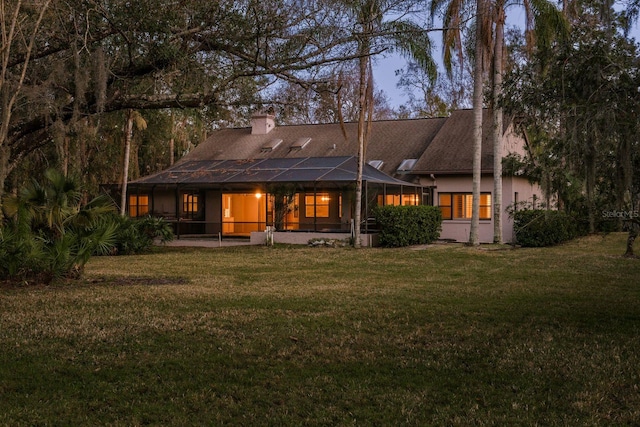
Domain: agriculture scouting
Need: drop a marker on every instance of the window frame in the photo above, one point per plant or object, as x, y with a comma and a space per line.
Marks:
316, 207
190, 204
135, 205
450, 206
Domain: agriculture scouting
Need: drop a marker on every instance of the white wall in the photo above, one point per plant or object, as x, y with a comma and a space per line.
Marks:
458, 230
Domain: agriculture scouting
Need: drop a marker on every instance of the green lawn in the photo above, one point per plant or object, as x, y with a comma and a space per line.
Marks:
446, 335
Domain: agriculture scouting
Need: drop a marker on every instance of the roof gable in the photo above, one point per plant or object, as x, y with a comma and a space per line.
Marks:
451, 150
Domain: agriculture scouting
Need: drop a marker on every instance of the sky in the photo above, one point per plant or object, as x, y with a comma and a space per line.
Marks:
385, 66
384, 78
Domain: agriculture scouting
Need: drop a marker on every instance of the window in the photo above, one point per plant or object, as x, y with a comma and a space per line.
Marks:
317, 205
190, 204
394, 199
410, 199
459, 205
138, 205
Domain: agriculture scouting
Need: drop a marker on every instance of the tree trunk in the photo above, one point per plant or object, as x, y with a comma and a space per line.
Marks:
477, 127
128, 134
9, 93
172, 144
4, 169
497, 125
362, 111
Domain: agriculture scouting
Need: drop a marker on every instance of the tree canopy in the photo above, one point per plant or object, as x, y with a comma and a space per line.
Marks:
66, 64
579, 102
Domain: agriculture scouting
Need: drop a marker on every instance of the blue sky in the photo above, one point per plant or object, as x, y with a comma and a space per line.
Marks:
385, 67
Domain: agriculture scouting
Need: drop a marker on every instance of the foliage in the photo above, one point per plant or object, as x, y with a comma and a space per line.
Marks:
49, 234
200, 65
283, 198
539, 228
579, 104
326, 102
428, 98
408, 225
136, 236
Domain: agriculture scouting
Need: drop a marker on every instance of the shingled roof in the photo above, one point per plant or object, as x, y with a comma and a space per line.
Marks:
391, 141
399, 148
451, 151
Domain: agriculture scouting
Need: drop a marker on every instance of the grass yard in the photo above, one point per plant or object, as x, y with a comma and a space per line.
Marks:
252, 336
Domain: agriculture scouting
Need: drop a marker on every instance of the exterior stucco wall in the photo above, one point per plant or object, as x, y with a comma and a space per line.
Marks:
459, 229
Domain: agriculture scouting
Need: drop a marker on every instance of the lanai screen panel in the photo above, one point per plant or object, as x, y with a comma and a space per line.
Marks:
265, 171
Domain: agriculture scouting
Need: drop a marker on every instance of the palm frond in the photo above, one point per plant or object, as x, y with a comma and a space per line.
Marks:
413, 42
545, 23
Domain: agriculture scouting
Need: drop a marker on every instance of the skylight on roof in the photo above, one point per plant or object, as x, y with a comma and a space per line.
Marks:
407, 165
300, 143
376, 163
271, 145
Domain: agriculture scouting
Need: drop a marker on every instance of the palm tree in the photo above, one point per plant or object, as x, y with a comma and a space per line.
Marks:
496, 129
374, 34
543, 21
478, 85
51, 234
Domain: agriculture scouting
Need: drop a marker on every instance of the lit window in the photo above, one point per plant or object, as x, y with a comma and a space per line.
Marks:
190, 204
394, 199
459, 205
138, 205
410, 199
317, 205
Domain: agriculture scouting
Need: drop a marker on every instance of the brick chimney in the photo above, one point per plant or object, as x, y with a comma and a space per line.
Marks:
262, 123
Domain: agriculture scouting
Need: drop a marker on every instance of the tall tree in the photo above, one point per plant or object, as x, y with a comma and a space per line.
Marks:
66, 61
456, 13
19, 27
541, 18
584, 105
542, 22
375, 32
133, 117
497, 128
478, 80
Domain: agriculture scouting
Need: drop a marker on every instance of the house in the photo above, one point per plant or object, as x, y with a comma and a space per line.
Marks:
302, 178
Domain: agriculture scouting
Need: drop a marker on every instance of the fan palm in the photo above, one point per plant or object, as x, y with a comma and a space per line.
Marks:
54, 235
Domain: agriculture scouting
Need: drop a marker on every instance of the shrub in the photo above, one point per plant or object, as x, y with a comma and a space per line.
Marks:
137, 235
408, 225
49, 234
538, 228
21, 254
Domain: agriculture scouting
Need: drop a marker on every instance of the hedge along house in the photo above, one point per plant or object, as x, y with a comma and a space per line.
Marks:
302, 178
